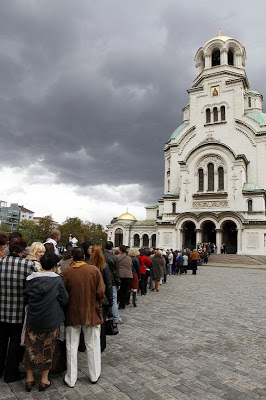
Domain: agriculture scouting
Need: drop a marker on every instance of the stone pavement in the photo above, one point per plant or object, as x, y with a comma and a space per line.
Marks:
200, 337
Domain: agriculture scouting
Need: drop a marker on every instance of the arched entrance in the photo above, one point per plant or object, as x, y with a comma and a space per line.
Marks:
153, 241
145, 240
208, 232
229, 230
136, 240
189, 235
118, 237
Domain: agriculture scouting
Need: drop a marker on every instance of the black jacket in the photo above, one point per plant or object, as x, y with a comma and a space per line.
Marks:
136, 266
111, 260
108, 281
45, 294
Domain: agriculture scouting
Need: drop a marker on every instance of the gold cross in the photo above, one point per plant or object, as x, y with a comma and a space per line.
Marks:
219, 32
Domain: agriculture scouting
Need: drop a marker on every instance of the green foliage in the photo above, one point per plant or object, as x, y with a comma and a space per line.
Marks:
29, 231
46, 224
71, 226
82, 231
5, 228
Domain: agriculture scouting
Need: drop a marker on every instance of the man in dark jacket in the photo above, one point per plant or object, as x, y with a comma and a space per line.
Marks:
111, 260
13, 270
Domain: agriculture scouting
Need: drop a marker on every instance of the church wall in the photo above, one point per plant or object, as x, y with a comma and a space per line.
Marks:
151, 213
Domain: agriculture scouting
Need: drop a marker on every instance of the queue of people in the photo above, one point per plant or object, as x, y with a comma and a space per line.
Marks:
78, 292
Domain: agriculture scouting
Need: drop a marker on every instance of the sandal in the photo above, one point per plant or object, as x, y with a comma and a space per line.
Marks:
28, 385
44, 386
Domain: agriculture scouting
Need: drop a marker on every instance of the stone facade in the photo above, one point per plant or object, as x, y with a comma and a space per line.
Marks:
214, 188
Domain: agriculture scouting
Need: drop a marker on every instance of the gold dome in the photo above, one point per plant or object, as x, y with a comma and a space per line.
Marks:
127, 216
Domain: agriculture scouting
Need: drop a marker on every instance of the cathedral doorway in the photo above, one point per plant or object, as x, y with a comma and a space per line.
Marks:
118, 237
229, 230
208, 232
189, 235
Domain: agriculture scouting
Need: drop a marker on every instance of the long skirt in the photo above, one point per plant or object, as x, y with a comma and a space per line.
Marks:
39, 349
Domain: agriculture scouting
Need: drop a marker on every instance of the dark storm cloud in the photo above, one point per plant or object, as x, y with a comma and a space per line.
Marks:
95, 89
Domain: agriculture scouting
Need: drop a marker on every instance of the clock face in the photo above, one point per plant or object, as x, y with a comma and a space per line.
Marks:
215, 91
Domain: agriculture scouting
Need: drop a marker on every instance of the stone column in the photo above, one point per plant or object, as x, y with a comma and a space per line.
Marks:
208, 61
180, 239
198, 236
239, 241
223, 54
218, 240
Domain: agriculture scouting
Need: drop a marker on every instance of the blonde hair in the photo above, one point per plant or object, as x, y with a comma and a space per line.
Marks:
133, 253
158, 254
36, 246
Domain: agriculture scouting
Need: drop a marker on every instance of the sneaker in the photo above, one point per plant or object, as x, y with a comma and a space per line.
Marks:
120, 321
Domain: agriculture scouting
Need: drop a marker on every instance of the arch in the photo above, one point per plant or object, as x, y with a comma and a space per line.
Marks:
145, 240
229, 236
189, 235
174, 208
218, 145
230, 57
201, 180
157, 213
118, 237
222, 113
208, 231
215, 114
136, 240
220, 178
153, 241
208, 116
210, 169
250, 205
216, 57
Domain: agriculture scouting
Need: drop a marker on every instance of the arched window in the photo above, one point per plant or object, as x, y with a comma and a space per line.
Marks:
250, 205
145, 240
173, 208
208, 116
223, 113
249, 101
211, 177
220, 178
215, 114
201, 180
157, 213
216, 58
230, 57
136, 240
168, 186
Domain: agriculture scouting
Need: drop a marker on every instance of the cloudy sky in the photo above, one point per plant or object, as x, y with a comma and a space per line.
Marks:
90, 90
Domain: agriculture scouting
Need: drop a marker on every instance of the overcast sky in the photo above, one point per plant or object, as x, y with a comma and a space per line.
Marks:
91, 90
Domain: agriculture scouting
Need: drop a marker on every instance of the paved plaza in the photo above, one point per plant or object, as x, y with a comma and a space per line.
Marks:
200, 337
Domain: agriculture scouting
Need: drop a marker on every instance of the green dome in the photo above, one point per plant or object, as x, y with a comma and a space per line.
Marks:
258, 116
250, 187
178, 130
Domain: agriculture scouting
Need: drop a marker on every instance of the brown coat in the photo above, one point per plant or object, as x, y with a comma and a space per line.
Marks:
86, 288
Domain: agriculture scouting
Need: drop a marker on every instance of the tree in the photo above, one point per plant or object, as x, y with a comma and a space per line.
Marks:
95, 233
73, 226
5, 228
29, 231
46, 224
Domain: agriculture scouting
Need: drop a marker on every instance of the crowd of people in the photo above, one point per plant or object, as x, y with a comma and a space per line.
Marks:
77, 293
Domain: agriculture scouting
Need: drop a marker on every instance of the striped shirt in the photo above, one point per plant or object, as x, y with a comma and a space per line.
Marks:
13, 273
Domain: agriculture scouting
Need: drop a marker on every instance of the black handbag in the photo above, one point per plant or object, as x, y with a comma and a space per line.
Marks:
59, 363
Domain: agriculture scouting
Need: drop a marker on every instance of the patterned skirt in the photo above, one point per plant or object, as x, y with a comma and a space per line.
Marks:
39, 349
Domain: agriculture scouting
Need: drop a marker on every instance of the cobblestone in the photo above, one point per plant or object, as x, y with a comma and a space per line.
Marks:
200, 337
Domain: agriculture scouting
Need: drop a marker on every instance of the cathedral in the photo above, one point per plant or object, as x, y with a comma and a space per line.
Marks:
215, 163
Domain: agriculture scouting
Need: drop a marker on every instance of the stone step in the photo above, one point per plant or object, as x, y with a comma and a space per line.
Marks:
233, 259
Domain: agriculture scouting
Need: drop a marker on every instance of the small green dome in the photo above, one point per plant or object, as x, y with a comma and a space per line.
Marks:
258, 116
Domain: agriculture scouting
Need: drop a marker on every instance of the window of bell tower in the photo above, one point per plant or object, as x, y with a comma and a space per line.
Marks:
230, 57
216, 58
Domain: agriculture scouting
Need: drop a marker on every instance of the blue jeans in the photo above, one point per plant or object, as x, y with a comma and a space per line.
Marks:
115, 306
169, 269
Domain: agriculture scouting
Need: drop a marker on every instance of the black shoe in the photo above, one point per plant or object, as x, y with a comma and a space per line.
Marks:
16, 378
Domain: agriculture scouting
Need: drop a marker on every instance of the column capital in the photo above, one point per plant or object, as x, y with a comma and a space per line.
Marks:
218, 230
198, 230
